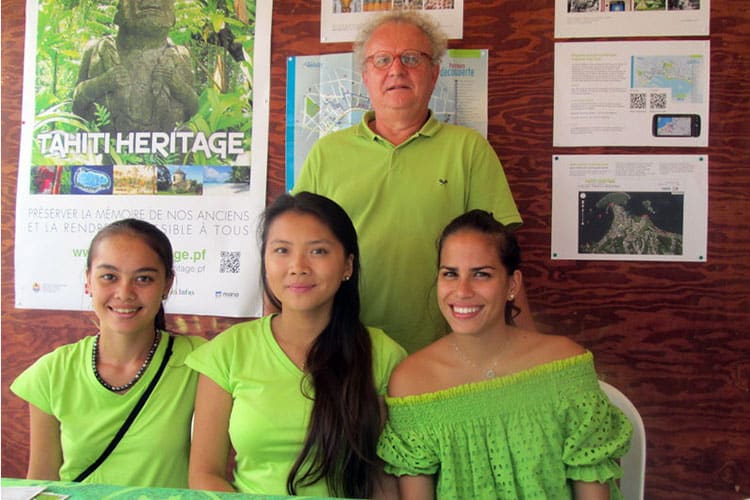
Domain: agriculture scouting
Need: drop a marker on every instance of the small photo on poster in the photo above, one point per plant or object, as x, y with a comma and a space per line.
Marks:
438, 4
644, 5
92, 180
223, 180
630, 223
179, 179
49, 179
616, 5
683, 5
134, 179
583, 6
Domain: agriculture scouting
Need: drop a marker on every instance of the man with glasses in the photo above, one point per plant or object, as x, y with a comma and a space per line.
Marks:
402, 175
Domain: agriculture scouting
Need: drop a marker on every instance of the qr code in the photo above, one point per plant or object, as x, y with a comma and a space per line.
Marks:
658, 101
230, 262
638, 101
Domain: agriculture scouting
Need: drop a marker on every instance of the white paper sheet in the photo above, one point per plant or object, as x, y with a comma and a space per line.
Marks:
621, 18
614, 93
630, 207
67, 189
341, 19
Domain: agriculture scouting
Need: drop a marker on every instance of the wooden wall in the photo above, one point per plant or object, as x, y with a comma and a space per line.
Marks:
673, 336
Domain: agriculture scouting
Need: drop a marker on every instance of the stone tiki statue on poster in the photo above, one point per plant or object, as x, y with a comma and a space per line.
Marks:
143, 79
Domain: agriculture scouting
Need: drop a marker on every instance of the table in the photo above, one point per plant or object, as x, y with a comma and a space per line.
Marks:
109, 492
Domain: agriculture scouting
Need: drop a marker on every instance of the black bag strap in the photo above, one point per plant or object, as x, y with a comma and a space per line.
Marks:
134, 413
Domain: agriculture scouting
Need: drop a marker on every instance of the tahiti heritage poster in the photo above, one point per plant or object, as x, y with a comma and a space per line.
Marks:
152, 109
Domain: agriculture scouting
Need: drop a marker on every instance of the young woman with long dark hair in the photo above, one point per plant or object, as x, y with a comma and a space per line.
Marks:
298, 393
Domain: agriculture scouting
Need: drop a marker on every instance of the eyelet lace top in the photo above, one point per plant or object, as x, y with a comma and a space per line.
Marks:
525, 435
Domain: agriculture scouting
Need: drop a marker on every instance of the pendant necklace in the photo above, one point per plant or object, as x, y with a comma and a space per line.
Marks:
489, 372
146, 362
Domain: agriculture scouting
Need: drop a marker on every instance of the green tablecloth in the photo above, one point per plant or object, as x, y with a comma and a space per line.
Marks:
108, 492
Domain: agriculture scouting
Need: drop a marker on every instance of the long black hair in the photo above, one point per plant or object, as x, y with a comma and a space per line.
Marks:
506, 244
341, 440
151, 236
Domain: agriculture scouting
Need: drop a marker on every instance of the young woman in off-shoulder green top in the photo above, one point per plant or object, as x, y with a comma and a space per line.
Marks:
490, 410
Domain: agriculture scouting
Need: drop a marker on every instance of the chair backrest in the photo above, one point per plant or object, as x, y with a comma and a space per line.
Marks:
633, 463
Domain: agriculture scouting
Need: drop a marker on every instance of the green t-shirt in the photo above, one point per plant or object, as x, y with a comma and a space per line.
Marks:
400, 198
525, 435
269, 417
155, 449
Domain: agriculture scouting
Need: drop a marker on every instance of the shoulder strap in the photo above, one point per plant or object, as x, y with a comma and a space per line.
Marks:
133, 413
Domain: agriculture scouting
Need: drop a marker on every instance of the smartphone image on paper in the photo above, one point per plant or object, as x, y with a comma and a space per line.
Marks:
669, 125
616, 6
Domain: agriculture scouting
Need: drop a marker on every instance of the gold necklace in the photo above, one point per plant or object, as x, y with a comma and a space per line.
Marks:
489, 372
288, 348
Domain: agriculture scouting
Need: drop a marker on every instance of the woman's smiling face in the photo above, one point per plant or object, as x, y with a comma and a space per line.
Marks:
305, 263
473, 286
127, 282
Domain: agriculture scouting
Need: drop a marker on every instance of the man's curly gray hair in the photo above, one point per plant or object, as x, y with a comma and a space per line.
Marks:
436, 36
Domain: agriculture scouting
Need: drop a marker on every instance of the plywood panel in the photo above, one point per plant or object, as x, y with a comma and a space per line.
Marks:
675, 337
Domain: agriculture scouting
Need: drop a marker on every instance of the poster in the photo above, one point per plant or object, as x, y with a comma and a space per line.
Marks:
325, 93
653, 93
157, 111
623, 18
341, 19
630, 207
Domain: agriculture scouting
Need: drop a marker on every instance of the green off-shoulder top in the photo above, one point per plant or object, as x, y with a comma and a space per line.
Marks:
525, 435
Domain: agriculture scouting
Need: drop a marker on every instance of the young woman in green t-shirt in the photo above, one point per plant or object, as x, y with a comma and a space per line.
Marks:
81, 394
297, 394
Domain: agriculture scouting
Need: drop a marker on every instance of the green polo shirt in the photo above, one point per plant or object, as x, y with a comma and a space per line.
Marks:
400, 198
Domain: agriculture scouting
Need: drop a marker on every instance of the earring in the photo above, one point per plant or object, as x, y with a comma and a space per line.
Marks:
511, 297
346, 278
164, 297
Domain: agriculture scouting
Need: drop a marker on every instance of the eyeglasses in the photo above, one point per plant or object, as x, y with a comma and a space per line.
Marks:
408, 58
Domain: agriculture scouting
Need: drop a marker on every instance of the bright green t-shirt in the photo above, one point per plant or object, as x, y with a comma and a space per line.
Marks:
525, 435
400, 198
269, 417
156, 447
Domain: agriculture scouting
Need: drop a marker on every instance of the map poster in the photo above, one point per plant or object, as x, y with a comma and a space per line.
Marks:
325, 93
156, 110
631, 94
340, 20
621, 18
630, 207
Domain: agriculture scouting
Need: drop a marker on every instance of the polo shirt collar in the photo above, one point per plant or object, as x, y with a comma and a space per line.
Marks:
430, 128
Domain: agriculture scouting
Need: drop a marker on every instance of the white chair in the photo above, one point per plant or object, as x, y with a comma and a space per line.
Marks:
633, 463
